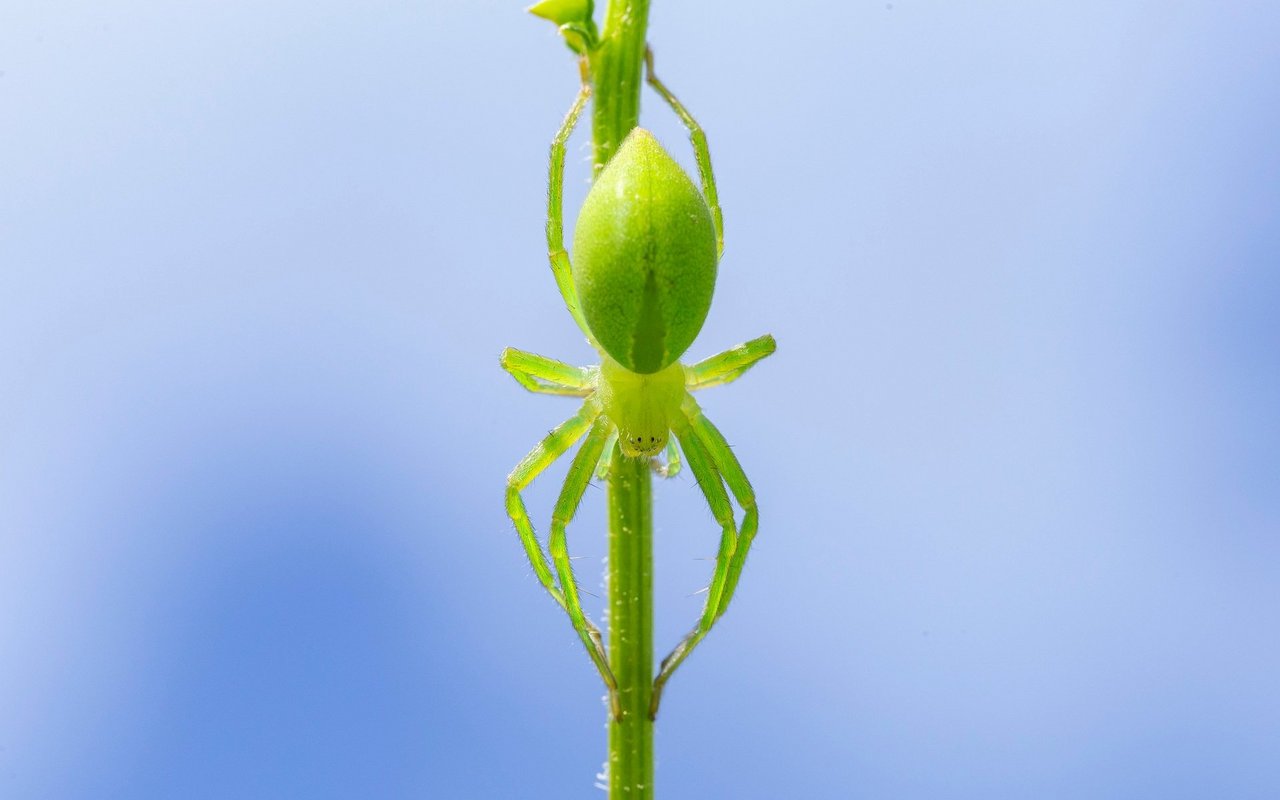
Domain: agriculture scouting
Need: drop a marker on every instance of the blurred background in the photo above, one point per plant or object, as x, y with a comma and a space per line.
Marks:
1017, 455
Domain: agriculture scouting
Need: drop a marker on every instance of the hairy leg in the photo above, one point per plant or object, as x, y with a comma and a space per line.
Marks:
575, 484
704, 470
606, 455
555, 207
546, 375
700, 150
727, 465
730, 365
669, 465
556, 444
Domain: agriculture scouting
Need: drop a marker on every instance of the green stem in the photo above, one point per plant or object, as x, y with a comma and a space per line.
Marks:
615, 73
616, 78
630, 582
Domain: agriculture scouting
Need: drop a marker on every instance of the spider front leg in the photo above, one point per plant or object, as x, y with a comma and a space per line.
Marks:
729, 468
730, 365
701, 153
702, 463
546, 375
606, 455
575, 485
670, 467
559, 257
556, 444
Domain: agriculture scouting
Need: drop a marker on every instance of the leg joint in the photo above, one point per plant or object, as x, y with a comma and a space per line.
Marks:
513, 492
725, 518
557, 545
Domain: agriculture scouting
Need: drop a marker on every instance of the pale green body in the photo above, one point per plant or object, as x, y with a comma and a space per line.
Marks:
644, 268
646, 249
642, 407
644, 257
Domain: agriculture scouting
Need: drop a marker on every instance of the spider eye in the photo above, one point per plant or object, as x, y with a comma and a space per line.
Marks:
642, 444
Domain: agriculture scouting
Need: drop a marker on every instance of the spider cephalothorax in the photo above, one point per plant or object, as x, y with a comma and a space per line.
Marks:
646, 249
642, 407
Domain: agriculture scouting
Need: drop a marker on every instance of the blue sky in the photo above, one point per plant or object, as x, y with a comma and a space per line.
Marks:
1017, 455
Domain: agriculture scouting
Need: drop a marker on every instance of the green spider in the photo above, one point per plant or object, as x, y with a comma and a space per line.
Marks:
646, 247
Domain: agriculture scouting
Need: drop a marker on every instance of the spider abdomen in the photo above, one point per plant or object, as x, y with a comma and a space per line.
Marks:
644, 257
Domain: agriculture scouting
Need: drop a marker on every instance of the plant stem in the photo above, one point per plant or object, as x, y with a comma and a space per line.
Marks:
615, 72
630, 583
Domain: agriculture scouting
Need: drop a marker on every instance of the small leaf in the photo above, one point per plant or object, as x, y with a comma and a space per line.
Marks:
573, 18
562, 12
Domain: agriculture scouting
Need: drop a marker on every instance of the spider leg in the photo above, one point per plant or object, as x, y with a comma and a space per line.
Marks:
727, 465
671, 467
575, 485
700, 150
606, 456
730, 365
546, 375
556, 444
560, 266
702, 464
